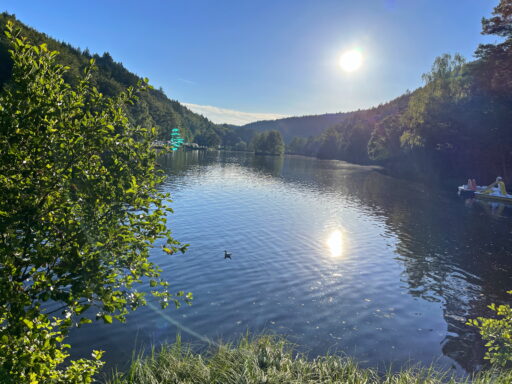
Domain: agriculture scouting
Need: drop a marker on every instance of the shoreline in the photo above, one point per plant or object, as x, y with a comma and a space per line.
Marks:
272, 359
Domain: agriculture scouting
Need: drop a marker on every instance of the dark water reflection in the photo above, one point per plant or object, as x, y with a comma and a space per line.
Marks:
337, 257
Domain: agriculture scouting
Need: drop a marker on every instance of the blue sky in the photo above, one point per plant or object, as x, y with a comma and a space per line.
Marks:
244, 60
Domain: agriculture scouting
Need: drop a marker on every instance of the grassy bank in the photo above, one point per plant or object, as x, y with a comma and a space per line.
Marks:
272, 360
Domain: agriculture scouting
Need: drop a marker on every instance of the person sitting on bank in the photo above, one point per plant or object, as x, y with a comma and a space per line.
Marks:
498, 183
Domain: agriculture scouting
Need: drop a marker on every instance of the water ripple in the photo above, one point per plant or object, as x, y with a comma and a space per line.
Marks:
408, 276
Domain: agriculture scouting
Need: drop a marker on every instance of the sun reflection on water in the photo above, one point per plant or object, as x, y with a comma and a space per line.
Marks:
335, 243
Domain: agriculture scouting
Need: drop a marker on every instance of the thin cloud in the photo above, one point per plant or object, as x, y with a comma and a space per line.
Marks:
230, 116
186, 81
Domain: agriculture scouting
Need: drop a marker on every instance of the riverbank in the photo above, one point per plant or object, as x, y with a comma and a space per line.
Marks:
270, 359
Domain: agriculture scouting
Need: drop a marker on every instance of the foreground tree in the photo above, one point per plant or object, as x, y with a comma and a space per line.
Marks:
497, 332
496, 59
78, 215
493, 85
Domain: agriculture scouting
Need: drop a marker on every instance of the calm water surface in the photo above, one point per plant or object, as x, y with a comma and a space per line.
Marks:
337, 257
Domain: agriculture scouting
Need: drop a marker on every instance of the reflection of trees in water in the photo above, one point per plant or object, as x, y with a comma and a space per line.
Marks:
458, 257
269, 165
176, 163
451, 253
179, 162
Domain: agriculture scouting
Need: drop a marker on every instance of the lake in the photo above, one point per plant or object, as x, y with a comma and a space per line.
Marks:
339, 258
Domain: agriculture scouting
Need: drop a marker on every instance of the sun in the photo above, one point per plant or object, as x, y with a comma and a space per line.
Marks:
351, 61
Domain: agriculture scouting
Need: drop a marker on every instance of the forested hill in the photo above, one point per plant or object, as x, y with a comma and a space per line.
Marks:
298, 126
154, 108
316, 125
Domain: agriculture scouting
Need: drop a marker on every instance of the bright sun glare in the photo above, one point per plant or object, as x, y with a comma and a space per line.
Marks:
351, 60
335, 243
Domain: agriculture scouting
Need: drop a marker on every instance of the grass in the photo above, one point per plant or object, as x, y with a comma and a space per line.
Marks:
269, 359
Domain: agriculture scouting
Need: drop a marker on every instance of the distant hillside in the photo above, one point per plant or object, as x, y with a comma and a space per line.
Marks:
301, 126
315, 125
154, 108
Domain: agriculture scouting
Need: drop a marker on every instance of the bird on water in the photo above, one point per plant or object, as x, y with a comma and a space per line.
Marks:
227, 255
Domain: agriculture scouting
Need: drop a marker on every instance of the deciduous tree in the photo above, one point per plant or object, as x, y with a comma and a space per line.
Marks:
79, 214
